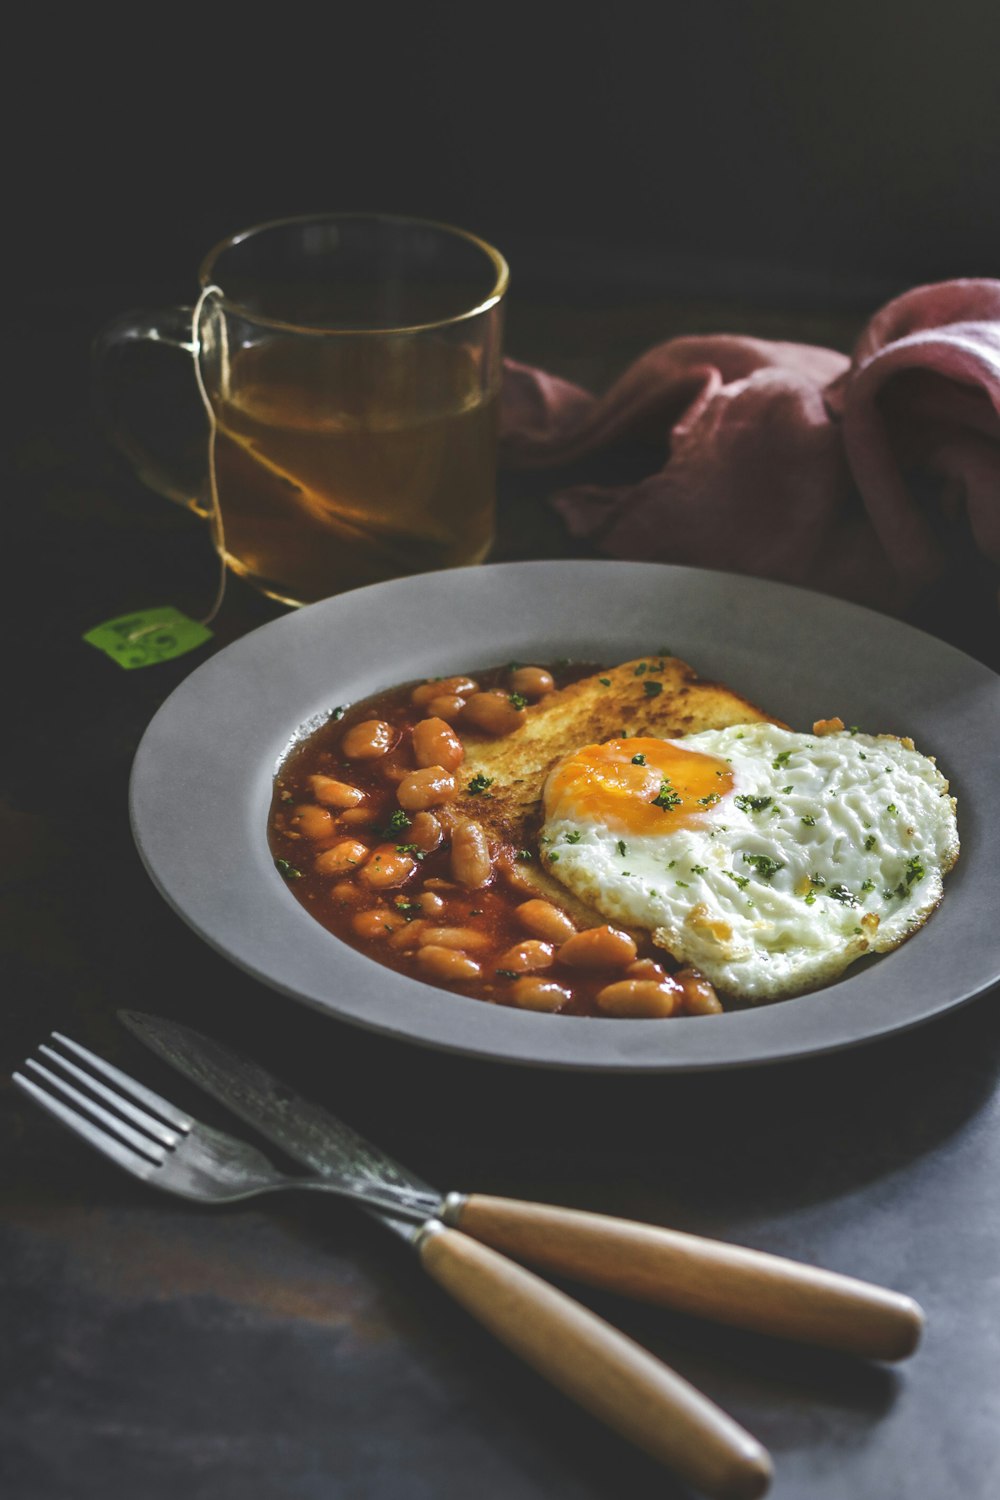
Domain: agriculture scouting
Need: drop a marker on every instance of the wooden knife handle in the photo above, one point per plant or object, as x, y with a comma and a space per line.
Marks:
602, 1369
727, 1283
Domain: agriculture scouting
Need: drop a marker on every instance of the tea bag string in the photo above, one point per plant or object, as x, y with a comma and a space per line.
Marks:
215, 515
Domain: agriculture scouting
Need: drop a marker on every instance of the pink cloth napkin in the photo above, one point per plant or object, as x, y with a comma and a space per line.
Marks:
873, 477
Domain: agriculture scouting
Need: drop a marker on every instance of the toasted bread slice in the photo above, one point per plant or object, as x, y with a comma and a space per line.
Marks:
658, 695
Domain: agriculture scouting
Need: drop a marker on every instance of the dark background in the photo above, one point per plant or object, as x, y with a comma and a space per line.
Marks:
800, 152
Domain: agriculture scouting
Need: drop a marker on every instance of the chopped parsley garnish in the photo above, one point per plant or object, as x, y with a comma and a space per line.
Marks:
553, 859
641, 669
506, 973
810, 898
871, 841
604, 681
781, 759
808, 820
413, 849
523, 856
784, 790
914, 870
711, 799
666, 797
892, 808
817, 880
842, 894
622, 848
406, 909
763, 864
697, 869
753, 804
682, 883
652, 689
479, 783
862, 755
337, 713
638, 760
854, 729
287, 870
517, 700
397, 825
573, 837
866, 886
741, 880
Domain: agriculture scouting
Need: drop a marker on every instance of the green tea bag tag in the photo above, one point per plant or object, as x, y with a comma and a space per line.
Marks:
148, 637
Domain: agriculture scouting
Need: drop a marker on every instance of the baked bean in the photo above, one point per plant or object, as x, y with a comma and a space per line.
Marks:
394, 768
425, 832
546, 921
599, 948
646, 968
448, 707
355, 817
532, 682
435, 744
425, 788
640, 997
387, 868
368, 740
430, 903
435, 883
342, 858
463, 938
492, 712
335, 793
699, 997
346, 891
525, 957
538, 994
377, 922
515, 873
408, 936
315, 822
446, 965
440, 687
471, 863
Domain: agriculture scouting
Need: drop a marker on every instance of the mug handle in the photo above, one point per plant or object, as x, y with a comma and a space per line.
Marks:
173, 327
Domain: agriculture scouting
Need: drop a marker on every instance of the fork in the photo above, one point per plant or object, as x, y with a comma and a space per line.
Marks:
167, 1148
595, 1364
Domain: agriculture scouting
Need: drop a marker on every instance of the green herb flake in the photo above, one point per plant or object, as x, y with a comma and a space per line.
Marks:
652, 689
866, 886
553, 859
622, 848
892, 808
573, 837
698, 870
641, 670
666, 797
765, 866
870, 842
784, 790
753, 804
710, 800
854, 729
478, 784
604, 681
683, 884
741, 880
810, 898
338, 713
914, 870
842, 894
523, 856
781, 759
808, 820
517, 700
638, 760
288, 871
506, 973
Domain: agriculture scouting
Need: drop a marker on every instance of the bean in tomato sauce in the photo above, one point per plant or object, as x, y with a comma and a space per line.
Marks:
364, 829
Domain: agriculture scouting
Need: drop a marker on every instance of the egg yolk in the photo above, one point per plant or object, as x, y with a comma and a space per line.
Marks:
637, 786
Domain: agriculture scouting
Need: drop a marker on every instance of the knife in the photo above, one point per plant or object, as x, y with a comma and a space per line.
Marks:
606, 1372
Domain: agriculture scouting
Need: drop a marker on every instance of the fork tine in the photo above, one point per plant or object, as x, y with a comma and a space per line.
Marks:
140, 1166
111, 1123
138, 1091
147, 1122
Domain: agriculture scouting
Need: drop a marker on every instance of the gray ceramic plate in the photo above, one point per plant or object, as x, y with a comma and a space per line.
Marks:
201, 788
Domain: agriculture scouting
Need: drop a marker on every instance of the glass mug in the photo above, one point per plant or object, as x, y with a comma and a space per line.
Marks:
350, 367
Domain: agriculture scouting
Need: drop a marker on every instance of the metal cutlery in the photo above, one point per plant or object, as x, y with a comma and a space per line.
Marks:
606, 1372
708, 1278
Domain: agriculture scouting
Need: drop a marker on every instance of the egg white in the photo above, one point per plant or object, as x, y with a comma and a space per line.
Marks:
861, 827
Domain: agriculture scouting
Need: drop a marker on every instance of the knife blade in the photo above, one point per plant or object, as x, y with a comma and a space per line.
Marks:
303, 1130
707, 1278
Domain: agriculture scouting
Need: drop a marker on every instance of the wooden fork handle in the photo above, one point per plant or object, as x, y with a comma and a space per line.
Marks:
727, 1283
599, 1367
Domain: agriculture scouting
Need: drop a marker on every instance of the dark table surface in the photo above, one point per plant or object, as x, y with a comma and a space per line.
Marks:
291, 1348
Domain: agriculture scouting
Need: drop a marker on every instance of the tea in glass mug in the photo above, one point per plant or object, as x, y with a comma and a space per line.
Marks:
351, 367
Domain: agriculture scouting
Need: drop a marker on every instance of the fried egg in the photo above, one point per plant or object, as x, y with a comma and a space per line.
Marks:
769, 860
